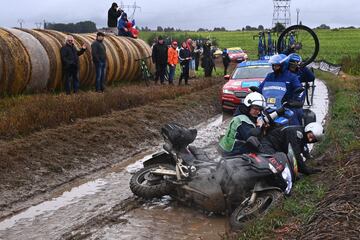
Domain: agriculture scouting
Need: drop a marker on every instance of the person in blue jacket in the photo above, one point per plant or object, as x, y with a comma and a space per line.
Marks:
280, 85
305, 75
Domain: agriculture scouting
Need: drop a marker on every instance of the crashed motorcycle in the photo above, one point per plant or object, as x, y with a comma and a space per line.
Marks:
244, 186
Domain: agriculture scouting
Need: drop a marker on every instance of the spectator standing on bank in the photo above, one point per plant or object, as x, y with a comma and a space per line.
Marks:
70, 62
185, 57
113, 14
191, 47
226, 60
160, 59
197, 53
207, 60
173, 59
98, 51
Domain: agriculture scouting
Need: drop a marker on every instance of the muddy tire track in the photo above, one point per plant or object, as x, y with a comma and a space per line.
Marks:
40, 162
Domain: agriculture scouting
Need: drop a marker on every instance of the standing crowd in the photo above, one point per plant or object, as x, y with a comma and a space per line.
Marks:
167, 57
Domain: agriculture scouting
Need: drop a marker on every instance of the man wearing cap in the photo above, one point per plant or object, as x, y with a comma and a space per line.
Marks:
173, 59
160, 59
98, 52
113, 14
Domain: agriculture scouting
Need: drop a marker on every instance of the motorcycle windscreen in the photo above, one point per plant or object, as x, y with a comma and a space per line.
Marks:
274, 93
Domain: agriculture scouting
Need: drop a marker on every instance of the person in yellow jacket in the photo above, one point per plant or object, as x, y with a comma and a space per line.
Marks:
173, 59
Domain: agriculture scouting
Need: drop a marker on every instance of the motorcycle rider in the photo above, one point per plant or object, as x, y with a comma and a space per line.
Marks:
243, 126
282, 80
278, 139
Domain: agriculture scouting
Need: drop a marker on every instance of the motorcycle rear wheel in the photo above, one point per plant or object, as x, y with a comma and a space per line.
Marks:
148, 186
245, 213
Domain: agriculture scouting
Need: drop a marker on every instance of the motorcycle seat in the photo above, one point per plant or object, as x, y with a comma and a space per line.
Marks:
199, 155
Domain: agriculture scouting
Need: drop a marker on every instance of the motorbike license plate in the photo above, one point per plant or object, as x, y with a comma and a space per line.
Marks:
271, 100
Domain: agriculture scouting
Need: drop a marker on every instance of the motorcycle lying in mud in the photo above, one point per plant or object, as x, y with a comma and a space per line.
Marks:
244, 186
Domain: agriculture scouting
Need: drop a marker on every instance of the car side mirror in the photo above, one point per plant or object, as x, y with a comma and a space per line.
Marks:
254, 89
227, 77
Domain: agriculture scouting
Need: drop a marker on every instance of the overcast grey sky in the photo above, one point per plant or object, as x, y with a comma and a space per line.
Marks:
231, 14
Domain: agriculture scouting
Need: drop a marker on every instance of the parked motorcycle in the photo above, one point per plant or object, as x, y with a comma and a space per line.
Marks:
244, 186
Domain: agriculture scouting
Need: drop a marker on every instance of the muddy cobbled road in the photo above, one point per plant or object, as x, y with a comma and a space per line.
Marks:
100, 205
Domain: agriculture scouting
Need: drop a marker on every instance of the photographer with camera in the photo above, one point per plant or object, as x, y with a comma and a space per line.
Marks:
113, 14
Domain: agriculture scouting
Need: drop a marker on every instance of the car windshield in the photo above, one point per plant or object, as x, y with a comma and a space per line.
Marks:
235, 51
251, 72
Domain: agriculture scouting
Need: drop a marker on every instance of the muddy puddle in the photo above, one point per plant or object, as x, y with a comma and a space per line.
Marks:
164, 221
104, 207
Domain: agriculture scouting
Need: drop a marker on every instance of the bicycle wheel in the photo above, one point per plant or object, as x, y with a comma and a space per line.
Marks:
300, 39
146, 78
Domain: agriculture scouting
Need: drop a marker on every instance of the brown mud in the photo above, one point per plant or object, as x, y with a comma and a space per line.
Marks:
36, 164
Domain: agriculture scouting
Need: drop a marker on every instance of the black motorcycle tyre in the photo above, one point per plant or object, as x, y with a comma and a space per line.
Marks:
245, 213
159, 189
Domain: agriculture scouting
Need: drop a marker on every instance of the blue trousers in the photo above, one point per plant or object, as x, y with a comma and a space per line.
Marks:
100, 76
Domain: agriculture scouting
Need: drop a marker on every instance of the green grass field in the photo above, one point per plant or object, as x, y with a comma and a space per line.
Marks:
333, 44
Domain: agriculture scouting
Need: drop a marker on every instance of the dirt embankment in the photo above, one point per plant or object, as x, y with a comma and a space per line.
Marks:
39, 162
338, 214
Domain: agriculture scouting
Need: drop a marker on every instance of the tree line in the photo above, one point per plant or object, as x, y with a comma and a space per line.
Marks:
80, 27
89, 26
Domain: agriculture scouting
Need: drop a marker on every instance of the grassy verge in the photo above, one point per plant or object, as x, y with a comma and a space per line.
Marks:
351, 64
342, 138
22, 115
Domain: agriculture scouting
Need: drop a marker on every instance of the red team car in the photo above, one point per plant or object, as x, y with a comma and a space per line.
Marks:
236, 54
246, 74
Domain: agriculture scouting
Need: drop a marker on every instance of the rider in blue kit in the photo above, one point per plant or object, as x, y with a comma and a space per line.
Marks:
305, 75
282, 83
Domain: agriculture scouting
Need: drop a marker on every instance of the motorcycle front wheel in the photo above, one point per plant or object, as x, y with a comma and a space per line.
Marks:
245, 212
147, 185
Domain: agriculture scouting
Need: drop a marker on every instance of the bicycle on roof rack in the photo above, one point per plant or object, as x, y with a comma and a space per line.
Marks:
146, 74
266, 45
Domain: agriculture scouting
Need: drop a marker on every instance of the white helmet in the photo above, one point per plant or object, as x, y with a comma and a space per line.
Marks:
255, 99
316, 129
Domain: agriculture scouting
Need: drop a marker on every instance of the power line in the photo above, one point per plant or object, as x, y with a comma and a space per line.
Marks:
281, 12
130, 8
